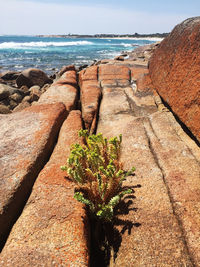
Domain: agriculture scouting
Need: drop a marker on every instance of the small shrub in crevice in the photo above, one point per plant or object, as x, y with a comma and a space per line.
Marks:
98, 174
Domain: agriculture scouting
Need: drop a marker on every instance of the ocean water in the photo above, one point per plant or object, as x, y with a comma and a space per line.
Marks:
50, 54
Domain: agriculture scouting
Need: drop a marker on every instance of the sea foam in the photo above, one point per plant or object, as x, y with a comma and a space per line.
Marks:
14, 45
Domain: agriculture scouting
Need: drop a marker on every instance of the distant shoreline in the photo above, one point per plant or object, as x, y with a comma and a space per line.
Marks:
156, 36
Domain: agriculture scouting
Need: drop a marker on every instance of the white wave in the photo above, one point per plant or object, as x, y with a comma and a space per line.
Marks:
10, 45
126, 45
18, 66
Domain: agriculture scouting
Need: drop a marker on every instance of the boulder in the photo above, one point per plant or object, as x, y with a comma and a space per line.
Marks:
66, 68
52, 230
6, 91
27, 140
30, 77
62, 91
27, 98
4, 109
12, 104
35, 92
24, 89
10, 75
24, 104
68, 77
16, 97
174, 70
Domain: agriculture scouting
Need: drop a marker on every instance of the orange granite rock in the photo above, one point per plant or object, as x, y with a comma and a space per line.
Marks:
112, 72
137, 71
174, 69
68, 77
62, 90
90, 96
144, 83
157, 225
88, 74
27, 140
66, 68
52, 230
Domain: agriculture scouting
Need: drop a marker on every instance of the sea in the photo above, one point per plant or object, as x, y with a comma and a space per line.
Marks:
51, 53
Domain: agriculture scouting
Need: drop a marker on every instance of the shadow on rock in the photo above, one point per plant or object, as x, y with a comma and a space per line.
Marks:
106, 237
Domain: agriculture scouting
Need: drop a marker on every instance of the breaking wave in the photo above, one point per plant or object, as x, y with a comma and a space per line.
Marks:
14, 45
126, 45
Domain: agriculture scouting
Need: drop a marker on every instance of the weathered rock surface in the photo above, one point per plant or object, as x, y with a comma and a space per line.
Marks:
65, 68
51, 230
30, 77
159, 224
114, 75
174, 69
27, 139
90, 96
62, 90
150, 233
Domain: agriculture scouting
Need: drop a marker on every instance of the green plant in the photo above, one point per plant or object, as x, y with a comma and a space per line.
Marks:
98, 173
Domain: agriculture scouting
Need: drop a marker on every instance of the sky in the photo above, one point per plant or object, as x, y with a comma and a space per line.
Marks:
32, 17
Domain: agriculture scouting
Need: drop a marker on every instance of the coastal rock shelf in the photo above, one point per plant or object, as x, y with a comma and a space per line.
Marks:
159, 225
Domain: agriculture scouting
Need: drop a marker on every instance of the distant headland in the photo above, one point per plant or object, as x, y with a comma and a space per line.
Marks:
135, 35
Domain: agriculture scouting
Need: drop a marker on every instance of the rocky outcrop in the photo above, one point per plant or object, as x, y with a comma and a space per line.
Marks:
30, 77
158, 224
90, 94
27, 140
174, 69
52, 229
151, 144
63, 90
14, 98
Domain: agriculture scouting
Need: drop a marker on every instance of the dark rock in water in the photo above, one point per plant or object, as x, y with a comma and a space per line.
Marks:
30, 77
175, 72
4, 109
10, 75
6, 91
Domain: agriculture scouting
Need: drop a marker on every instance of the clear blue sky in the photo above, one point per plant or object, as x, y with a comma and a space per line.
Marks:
94, 16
